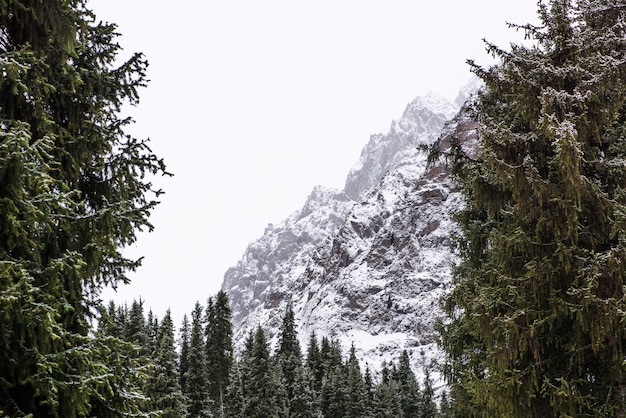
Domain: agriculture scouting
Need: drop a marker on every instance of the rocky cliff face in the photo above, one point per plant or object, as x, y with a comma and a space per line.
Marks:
420, 124
366, 265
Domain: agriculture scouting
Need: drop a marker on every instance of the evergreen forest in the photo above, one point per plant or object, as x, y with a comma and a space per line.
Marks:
199, 375
535, 320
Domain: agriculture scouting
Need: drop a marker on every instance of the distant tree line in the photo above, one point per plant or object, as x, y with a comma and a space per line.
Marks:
200, 376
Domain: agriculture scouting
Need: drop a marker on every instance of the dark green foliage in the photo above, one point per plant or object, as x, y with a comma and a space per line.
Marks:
288, 344
411, 400
152, 330
333, 398
445, 410
260, 387
196, 379
257, 386
428, 406
314, 362
234, 397
135, 328
288, 354
219, 349
183, 364
387, 400
356, 403
330, 355
303, 403
368, 384
163, 382
72, 194
537, 313
110, 323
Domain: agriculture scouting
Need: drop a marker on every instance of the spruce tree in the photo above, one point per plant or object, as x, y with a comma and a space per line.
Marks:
219, 349
127, 370
330, 356
314, 362
183, 364
163, 382
72, 194
356, 395
387, 400
152, 331
288, 354
428, 407
282, 399
260, 387
537, 312
234, 395
135, 328
368, 383
107, 323
410, 397
304, 402
196, 380
445, 409
334, 394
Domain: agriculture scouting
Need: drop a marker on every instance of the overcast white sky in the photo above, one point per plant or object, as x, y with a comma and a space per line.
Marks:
253, 103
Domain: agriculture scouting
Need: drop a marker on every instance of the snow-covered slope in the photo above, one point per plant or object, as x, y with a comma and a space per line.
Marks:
420, 124
366, 265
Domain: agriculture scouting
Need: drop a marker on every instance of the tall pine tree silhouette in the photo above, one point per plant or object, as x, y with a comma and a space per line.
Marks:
163, 383
219, 349
196, 379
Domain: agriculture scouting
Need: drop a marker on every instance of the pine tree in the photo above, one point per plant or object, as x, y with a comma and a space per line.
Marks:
334, 395
260, 387
411, 399
183, 364
304, 402
152, 330
282, 399
428, 407
288, 354
108, 323
314, 362
219, 349
288, 338
234, 396
330, 356
356, 395
163, 382
72, 194
387, 400
196, 380
127, 370
445, 409
135, 327
368, 383
537, 311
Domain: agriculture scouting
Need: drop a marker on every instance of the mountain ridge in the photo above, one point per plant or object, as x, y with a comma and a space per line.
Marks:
364, 265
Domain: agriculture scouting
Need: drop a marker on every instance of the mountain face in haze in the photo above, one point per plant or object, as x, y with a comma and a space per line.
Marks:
365, 265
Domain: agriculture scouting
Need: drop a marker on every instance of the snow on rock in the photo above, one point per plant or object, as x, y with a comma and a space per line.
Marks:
420, 124
468, 90
369, 264
262, 279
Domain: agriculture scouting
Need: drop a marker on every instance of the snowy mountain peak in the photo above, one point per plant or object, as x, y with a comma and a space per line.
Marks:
424, 111
366, 265
468, 89
420, 124
322, 197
